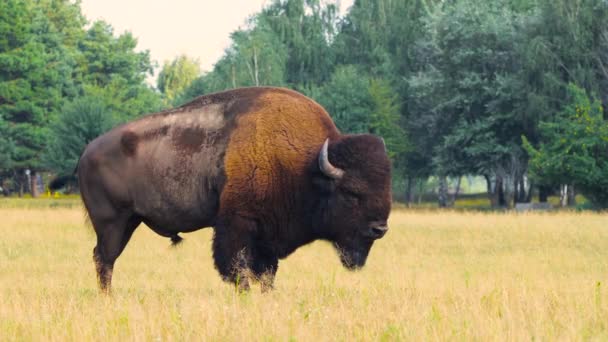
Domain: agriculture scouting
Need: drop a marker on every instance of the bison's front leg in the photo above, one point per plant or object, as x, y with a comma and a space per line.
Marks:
233, 251
265, 267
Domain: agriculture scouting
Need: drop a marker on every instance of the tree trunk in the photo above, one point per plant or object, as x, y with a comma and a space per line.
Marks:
408, 192
442, 193
255, 66
567, 196
543, 193
522, 197
529, 194
571, 196
457, 190
500, 192
490, 191
34, 184
515, 196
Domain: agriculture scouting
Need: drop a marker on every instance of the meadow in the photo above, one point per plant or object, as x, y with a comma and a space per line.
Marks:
449, 275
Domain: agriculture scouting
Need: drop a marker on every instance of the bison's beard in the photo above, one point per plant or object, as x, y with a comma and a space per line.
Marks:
353, 254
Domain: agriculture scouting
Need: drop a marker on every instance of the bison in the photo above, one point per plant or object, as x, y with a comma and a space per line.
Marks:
265, 167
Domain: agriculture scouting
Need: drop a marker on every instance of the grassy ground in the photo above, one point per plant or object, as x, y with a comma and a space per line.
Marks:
435, 276
42, 202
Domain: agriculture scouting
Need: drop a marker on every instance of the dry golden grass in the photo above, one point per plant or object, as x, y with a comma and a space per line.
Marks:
435, 276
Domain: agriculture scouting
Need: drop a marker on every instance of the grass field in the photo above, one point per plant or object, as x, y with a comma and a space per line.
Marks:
435, 276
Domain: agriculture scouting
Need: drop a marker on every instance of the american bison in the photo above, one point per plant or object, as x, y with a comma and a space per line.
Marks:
265, 167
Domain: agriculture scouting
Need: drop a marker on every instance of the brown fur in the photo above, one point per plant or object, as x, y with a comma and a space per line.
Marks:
273, 139
189, 139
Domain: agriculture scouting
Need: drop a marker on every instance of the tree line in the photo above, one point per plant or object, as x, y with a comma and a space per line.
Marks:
511, 90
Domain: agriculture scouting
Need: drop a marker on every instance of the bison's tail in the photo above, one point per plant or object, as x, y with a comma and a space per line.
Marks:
176, 240
61, 182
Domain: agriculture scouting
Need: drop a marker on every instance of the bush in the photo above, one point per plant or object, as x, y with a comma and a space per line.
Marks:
573, 148
80, 121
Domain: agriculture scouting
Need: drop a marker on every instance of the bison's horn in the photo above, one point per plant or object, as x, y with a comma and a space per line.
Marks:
325, 166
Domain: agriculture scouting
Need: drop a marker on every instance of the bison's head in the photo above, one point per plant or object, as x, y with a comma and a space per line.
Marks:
355, 190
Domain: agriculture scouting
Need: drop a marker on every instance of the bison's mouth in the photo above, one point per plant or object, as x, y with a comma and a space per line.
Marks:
353, 258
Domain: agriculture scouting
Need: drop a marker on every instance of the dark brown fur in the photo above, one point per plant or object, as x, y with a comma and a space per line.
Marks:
129, 141
155, 133
189, 140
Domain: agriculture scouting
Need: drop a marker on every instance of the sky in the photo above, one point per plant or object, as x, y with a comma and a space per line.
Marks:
197, 28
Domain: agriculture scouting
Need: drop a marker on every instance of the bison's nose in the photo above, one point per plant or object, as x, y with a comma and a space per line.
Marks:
377, 232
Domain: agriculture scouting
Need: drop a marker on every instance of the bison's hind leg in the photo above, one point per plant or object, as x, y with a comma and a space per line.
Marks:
265, 268
112, 237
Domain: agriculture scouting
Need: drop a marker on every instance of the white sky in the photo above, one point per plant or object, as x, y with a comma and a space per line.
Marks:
198, 28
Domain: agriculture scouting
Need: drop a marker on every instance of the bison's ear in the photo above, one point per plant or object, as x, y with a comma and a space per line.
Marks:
325, 165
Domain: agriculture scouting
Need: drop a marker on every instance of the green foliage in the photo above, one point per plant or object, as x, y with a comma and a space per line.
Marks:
48, 57
368, 33
7, 147
346, 97
175, 76
35, 70
126, 101
574, 148
385, 117
359, 104
470, 45
80, 121
103, 57
111, 69
196, 88
306, 29
256, 57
